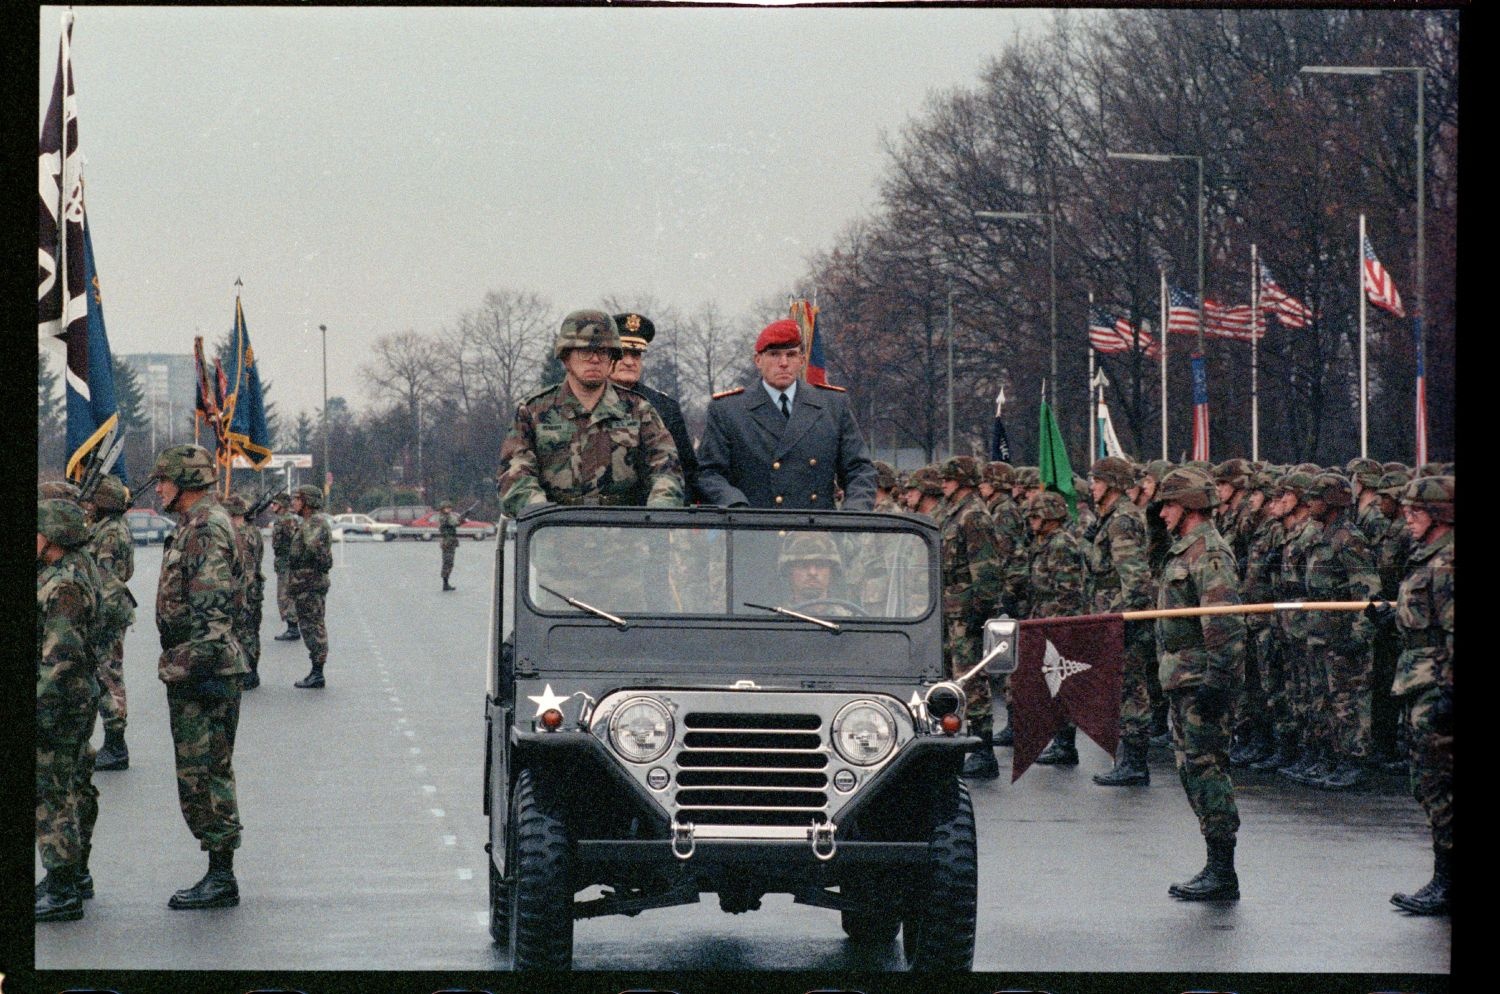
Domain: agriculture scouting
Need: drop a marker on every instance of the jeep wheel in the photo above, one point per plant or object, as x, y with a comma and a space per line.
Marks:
541, 908
872, 927
941, 907
499, 905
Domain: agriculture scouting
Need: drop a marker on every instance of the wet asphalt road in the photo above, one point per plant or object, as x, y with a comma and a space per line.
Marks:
363, 840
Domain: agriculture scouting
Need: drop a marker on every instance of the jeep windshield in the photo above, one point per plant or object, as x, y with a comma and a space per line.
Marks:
672, 570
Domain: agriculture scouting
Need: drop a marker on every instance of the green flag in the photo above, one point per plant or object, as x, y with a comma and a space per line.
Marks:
1052, 461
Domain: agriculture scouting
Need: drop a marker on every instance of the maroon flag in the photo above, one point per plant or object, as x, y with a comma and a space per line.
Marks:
1069, 670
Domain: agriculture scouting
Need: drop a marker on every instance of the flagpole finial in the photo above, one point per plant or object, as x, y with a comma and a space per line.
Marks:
237, 284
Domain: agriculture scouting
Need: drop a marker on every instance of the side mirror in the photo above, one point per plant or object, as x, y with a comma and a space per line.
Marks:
1001, 645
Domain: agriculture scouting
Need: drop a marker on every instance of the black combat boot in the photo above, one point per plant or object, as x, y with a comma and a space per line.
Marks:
314, 678
1433, 898
1217, 880
1322, 765
1349, 772
85, 880
1161, 735
1284, 754
292, 633
217, 889
250, 680
112, 755
447, 585
1249, 745
1061, 751
1130, 768
57, 898
981, 763
1005, 738
1306, 756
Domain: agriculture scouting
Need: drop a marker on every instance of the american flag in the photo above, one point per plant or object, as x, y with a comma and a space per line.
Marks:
1219, 321
1200, 408
1421, 400
1291, 312
1109, 334
1379, 286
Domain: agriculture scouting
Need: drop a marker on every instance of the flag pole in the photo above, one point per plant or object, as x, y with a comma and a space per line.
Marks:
1092, 417
1363, 415
1162, 334
1265, 608
1255, 319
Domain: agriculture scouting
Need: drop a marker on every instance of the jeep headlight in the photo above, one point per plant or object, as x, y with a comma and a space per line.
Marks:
641, 729
864, 732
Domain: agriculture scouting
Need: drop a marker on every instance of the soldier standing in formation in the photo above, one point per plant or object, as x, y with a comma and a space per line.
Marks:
636, 333
447, 523
68, 597
783, 443
1010, 549
885, 488
282, 530
252, 551
1059, 588
1201, 661
1392, 560
585, 441
200, 594
308, 564
1300, 669
1424, 676
1122, 582
1263, 724
113, 553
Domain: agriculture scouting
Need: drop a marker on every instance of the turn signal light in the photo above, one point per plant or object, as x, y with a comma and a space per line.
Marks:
950, 723
552, 719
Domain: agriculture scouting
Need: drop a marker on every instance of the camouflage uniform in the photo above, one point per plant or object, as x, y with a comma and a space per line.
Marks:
252, 551
282, 531
308, 564
885, 487
1263, 706
1392, 549
448, 523
971, 590
1059, 586
1121, 581
1302, 669
113, 553
1010, 540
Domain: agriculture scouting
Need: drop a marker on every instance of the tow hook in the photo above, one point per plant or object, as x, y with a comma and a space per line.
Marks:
682, 834
823, 835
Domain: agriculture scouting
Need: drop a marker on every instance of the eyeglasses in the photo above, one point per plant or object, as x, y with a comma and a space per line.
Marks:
597, 355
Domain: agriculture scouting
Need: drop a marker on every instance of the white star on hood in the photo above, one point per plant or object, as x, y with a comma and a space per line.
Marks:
547, 700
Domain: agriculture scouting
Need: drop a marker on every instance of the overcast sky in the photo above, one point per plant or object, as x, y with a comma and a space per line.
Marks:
380, 170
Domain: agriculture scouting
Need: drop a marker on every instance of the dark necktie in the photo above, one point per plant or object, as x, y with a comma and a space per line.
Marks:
786, 411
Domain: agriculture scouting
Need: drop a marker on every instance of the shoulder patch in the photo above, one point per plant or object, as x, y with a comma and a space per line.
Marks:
829, 386
728, 393
540, 393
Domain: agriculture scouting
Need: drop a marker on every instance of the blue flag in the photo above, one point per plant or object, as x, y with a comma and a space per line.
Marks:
92, 411
248, 435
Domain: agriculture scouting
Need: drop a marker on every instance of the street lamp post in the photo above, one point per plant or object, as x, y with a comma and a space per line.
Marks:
1198, 160
951, 292
1051, 217
1420, 72
323, 329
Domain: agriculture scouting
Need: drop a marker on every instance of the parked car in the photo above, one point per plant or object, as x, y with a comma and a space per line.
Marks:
401, 514
426, 529
362, 524
147, 527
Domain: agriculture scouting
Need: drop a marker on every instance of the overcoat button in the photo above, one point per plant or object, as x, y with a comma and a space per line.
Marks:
776, 465
778, 498
812, 462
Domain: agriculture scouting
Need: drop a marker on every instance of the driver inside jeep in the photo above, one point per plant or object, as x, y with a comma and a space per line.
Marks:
811, 565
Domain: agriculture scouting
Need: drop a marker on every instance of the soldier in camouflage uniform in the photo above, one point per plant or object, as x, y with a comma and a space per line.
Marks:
927, 485
1392, 546
995, 480
1200, 670
585, 440
308, 564
1264, 730
113, 553
1157, 543
1340, 567
447, 523
1424, 676
1364, 475
885, 488
971, 594
1302, 668
1121, 581
1059, 588
200, 594
68, 602
282, 529
252, 550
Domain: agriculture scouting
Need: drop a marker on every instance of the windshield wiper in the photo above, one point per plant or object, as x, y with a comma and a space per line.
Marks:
591, 609
831, 626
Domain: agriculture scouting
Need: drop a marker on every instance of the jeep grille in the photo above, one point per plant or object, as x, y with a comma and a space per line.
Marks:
752, 769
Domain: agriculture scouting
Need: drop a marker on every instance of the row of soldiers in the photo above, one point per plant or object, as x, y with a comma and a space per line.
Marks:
208, 611
1314, 695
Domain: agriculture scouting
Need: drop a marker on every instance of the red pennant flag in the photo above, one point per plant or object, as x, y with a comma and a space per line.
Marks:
1069, 670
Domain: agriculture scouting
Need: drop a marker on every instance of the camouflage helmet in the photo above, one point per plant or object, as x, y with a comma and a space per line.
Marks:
1190, 486
1393, 484
1114, 472
445, 503
1047, 505
1262, 482
928, 481
999, 474
1310, 468
1396, 467
1202, 464
281, 497
189, 467
885, 475
60, 521
1433, 494
111, 495
1026, 476
1330, 488
809, 547
1359, 465
963, 470
57, 490
588, 329
1234, 472
236, 505
1158, 469
1297, 483
311, 496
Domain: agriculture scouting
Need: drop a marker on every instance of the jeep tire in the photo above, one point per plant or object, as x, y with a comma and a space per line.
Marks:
499, 905
869, 927
541, 892
937, 932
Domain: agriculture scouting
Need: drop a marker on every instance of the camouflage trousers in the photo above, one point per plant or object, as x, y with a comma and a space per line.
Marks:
1201, 749
247, 631
1135, 695
310, 623
449, 548
64, 772
962, 652
112, 682
1251, 716
203, 728
286, 605
1270, 655
1305, 686
1348, 701
1431, 765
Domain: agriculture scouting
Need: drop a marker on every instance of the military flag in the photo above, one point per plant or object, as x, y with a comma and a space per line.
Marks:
244, 404
93, 416
999, 440
1052, 461
1104, 425
805, 313
1069, 669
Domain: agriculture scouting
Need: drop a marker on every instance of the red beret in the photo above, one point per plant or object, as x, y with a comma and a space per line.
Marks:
779, 334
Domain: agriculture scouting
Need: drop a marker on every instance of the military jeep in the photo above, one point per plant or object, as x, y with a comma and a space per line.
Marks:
727, 701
